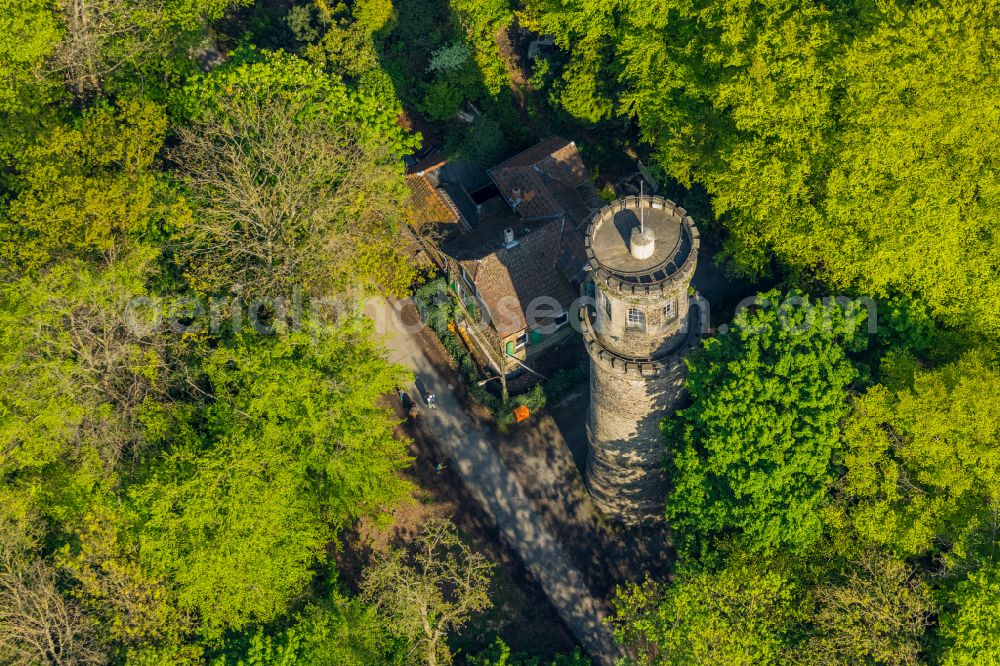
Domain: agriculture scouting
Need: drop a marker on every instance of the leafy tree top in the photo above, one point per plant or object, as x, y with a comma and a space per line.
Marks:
923, 463
308, 90
753, 454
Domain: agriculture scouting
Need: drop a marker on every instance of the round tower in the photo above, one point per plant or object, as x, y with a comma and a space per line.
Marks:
642, 253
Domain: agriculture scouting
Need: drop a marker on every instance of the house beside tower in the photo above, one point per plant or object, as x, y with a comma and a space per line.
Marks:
513, 250
536, 242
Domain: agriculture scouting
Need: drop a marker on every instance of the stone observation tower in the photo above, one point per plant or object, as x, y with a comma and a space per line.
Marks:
642, 253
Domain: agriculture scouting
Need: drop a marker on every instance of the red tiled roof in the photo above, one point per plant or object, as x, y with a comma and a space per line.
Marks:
509, 279
545, 180
526, 190
427, 203
554, 146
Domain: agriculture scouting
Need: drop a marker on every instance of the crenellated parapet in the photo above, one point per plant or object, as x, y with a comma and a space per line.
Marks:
672, 262
629, 366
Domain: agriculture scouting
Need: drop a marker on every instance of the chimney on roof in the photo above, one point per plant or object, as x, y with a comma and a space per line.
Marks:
515, 195
508, 238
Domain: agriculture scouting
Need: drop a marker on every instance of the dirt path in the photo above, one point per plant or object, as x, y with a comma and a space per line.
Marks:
472, 455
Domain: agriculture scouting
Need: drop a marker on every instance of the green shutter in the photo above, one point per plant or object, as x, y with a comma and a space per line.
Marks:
536, 337
511, 346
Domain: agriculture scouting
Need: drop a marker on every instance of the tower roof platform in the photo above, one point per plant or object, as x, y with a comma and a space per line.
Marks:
614, 229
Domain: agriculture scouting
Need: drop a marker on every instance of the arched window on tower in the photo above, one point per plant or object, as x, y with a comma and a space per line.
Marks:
636, 320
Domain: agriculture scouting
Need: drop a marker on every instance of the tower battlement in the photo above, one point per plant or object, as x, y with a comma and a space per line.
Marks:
628, 366
642, 252
673, 256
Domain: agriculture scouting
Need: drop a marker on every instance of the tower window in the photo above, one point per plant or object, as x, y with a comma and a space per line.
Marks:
669, 311
607, 305
636, 320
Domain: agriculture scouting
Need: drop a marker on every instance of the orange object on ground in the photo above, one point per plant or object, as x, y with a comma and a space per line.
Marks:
521, 414
463, 332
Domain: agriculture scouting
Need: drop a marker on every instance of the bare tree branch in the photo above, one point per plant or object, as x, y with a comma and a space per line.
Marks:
284, 198
432, 591
38, 625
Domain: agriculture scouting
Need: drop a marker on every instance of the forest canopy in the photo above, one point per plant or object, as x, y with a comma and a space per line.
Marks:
177, 477
852, 142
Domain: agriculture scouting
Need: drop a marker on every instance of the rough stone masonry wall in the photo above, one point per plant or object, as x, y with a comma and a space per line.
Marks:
636, 379
660, 337
625, 458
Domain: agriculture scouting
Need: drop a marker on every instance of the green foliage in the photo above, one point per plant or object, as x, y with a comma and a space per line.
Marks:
132, 604
484, 141
432, 590
175, 498
565, 380
308, 87
436, 306
533, 399
172, 497
972, 623
754, 453
483, 20
340, 631
130, 47
220, 533
907, 324
87, 187
237, 512
541, 72
449, 57
427, 54
78, 366
585, 29
237, 479
818, 129
301, 22
296, 181
499, 654
740, 615
29, 32
822, 135
922, 463
443, 100
579, 92
348, 45
875, 614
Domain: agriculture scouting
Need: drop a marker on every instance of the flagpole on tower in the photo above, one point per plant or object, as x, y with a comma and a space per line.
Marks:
642, 210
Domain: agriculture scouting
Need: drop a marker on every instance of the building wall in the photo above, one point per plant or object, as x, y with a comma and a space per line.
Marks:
663, 332
636, 380
521, 353
625, 458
